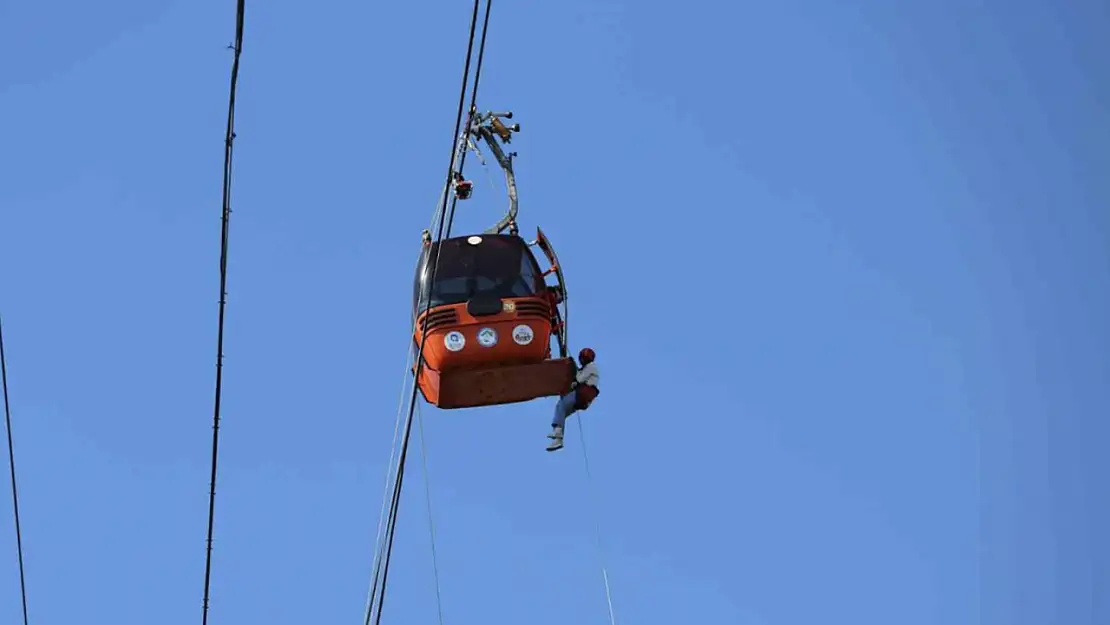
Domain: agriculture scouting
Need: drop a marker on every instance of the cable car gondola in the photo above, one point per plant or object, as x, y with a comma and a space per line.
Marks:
491, 314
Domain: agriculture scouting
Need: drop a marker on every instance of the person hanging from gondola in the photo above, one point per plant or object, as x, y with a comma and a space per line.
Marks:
582, 394
463, 187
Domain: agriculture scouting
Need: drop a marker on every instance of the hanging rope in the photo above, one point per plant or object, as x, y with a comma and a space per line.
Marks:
597, 523
431, 517
11, 464
228, 141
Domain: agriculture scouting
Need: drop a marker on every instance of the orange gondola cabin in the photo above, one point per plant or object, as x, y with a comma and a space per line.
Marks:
490, 319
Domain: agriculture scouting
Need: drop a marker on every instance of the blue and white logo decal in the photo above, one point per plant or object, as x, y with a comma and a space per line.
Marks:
454, 341
487, 337
523, 335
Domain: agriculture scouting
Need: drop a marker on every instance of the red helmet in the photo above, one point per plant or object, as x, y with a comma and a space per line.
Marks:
586, 356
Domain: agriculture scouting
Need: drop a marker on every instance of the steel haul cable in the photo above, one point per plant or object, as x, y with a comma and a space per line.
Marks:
473, 103
378, 588
229, 140
11, 463
397, 429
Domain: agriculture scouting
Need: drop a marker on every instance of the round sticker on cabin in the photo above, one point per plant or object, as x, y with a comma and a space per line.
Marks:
523, 335
454, 340
487, 337
475, 240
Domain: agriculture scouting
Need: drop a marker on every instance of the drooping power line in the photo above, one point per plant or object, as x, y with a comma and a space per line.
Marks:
237, 47
11, 464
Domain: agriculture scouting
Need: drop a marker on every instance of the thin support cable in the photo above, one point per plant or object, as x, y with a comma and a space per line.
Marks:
485, 166
229, 140
597, 524
11, 464
431, 517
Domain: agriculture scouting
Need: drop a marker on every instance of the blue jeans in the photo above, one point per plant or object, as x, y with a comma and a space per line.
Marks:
564, 408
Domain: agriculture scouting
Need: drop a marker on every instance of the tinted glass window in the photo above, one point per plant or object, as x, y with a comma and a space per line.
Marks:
501, 265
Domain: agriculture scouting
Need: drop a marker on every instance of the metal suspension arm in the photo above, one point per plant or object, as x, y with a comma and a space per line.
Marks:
490, 128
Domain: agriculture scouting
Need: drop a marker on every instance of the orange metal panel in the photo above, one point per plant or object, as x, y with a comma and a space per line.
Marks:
468, 388
521, 333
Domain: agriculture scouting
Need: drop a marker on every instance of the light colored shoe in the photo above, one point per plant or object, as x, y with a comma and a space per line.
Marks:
556, 432
556, 444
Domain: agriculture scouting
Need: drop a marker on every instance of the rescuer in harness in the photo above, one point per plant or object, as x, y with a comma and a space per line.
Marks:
582, 394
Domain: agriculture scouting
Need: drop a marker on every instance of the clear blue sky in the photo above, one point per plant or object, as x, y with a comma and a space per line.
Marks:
845, 267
